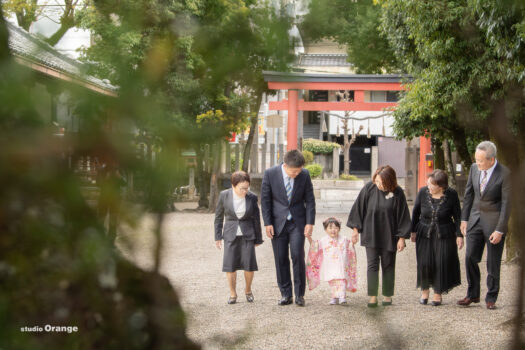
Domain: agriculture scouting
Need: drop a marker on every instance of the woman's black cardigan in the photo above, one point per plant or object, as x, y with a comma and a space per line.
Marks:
447, 219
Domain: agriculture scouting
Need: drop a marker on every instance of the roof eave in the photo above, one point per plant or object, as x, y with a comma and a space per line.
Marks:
52, 72
272, 76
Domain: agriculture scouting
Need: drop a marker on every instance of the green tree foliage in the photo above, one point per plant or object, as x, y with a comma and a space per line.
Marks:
467, 65
57, 267
238, 40
208, 56
355, 24
29, 11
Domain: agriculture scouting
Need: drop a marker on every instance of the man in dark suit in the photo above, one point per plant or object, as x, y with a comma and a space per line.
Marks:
486, 210
288, 210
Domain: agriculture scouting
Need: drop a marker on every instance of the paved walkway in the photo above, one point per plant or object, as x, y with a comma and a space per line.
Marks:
193, 265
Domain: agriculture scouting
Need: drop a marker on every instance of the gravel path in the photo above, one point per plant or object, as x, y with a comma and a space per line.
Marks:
193, 265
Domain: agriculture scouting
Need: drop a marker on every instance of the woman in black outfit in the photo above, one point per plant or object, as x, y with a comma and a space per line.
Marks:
435, 229
380, 214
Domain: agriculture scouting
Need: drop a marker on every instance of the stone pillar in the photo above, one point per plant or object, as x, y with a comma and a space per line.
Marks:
374, 159
335, 163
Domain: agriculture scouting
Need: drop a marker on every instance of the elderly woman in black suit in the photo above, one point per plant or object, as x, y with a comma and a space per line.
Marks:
436, 220
238, 223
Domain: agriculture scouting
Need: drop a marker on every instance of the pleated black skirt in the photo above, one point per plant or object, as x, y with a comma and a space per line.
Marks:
239, 255
437, 263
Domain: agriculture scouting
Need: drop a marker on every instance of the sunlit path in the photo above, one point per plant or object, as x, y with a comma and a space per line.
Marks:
193, 265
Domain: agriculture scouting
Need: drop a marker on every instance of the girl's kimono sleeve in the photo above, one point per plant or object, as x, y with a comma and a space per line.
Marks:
313, 264
351, 267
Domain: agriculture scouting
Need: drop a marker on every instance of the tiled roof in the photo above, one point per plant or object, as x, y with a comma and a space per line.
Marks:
26, 46
323, 60
271, 76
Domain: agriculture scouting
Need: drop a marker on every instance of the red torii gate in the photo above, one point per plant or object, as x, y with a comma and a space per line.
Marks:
359, 83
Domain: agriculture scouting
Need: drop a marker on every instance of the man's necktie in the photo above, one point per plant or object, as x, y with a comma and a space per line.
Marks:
483, 182
288, 187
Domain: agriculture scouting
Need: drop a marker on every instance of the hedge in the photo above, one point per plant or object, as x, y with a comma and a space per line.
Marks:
315, 170
308, 157
318, 146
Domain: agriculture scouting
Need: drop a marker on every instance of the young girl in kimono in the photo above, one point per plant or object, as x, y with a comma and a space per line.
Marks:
332, 259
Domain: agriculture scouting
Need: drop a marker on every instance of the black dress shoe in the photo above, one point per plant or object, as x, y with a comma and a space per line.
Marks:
436, 303
285, 301
423, 301
299, 301
372, 305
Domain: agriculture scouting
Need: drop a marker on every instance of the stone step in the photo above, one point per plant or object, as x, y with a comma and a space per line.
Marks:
337, 194
333, 206
339, 184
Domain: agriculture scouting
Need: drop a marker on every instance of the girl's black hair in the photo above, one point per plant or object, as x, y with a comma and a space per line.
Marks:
331, 220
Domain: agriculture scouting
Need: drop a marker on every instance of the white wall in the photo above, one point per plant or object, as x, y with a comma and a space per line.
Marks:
376, 125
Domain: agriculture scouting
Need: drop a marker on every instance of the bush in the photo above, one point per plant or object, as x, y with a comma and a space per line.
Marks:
232, 163
308, 157
318, 146
315, 170
348, 177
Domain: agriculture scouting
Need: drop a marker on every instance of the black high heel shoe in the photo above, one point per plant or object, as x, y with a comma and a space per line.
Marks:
372, 305
437, 302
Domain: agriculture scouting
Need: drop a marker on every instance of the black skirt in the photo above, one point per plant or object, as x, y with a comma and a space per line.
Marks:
437, 263
239, 255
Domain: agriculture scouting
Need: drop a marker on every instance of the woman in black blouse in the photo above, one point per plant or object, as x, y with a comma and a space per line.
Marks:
435, 229
380, 213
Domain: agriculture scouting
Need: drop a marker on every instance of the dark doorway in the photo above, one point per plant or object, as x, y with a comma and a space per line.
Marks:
360, 155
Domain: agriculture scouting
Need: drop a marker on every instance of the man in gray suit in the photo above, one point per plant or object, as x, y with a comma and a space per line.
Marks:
288, 210
486, 210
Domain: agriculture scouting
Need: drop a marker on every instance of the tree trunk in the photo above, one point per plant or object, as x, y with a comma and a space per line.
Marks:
512, 152
23, 21
59, 34
5, 53
214, 179
439, 156
253, 131
201, 183
450, 165
460, 142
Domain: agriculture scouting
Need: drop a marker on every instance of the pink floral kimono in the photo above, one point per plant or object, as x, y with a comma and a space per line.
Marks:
332, 260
